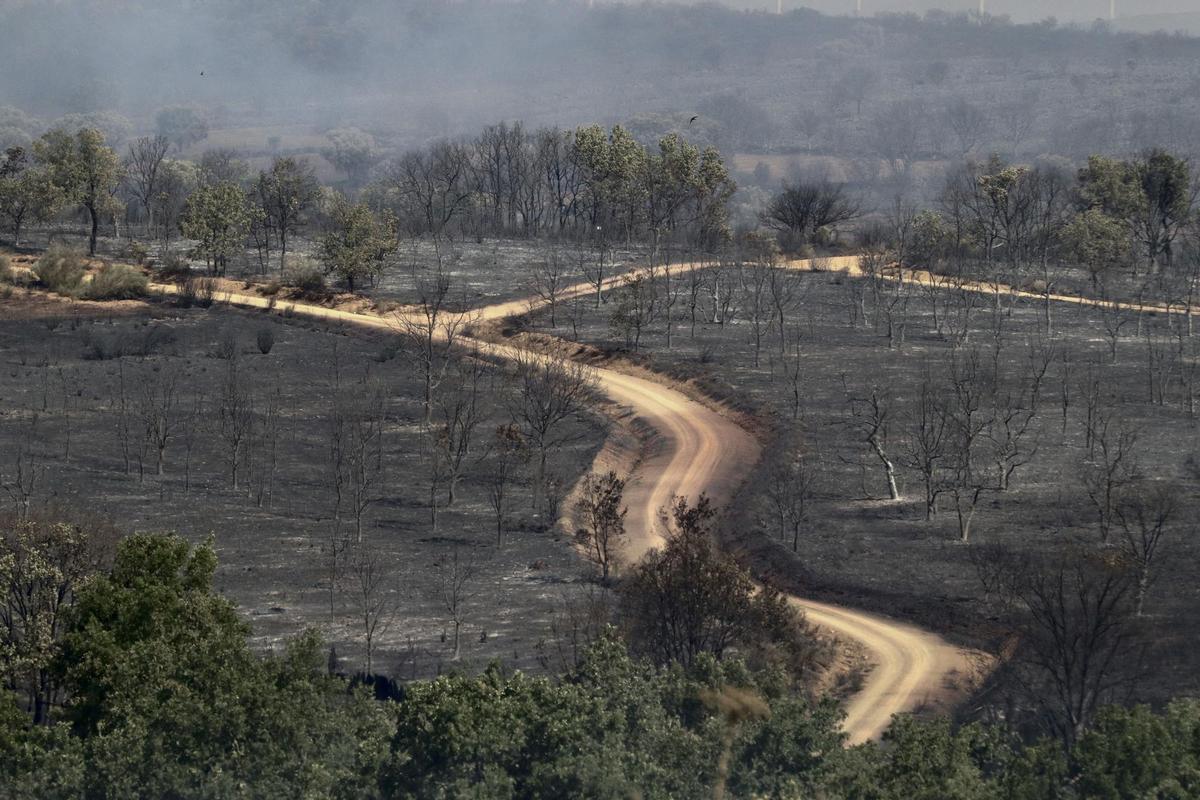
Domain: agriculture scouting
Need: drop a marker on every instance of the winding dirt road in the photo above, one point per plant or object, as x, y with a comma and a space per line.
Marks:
697, 449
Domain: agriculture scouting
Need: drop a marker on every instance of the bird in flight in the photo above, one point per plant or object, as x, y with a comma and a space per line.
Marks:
693, 119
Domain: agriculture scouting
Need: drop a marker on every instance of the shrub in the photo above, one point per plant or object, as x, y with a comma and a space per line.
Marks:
174, 267
226, 347
196, 292
60, 269
137, 252
265, 339
6, 271
116, 282
307, 278
124, 341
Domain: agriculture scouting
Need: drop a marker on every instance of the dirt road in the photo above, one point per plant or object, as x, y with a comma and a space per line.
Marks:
699, 450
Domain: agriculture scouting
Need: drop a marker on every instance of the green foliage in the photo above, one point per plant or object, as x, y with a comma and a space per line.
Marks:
1098, 242
218, 217
116, 282
307, 278
27, 193
1151, 195
627, 187
84, 170
171, 702
60, 269
181, 125
359, 243
285, 192
167, 700
1137, 753
610, 729
688, 601
37, 762
351, 150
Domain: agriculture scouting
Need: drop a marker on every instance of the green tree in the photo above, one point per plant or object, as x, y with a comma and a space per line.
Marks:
181, 125
218, 217
285, 192
85, 170
1137, 753
27, 193
612, 728
1169, 197
688, 600
1153, 195
359, 244
37, 761
603, 519
171, 702
42, 565
1097, 241
351, 150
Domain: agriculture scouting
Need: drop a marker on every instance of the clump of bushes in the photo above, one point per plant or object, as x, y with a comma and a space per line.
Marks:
124, 341
196, 292
308, 279
61, 270
116, 282
265, 339
137, 252
174, 267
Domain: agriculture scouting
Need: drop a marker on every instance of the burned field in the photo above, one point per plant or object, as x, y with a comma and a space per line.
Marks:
302, 450
1084, 440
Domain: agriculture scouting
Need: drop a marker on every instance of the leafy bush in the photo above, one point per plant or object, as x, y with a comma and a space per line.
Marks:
174, 267
265, 339
116, 282
137, 252
60, 269
306, 276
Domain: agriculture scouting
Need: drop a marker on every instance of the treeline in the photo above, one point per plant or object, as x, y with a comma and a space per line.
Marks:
587, 184
1130, 224
165, 699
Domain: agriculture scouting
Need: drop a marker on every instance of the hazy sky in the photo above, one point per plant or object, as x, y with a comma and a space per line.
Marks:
1023, 10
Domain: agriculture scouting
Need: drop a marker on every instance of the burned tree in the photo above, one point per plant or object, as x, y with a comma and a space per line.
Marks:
792, 485
550, 392
505, 456
432, 330
870, 419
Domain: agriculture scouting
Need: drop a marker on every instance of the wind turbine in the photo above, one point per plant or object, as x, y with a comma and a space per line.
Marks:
858, 8
1112, 10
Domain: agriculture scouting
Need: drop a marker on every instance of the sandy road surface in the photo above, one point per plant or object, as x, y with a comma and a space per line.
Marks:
699, 450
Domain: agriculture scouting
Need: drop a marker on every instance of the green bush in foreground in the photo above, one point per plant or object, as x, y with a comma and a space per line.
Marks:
116, 282
164, 698
61, 270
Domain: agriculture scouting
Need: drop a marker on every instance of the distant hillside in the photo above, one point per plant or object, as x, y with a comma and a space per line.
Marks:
1186, 22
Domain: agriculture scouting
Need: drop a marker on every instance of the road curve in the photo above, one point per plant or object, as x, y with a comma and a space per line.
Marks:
700, 450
